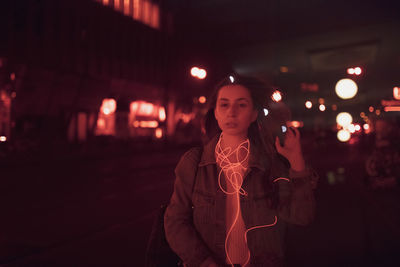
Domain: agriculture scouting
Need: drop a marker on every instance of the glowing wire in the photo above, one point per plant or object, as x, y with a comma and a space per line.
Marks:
281, 178
233, 174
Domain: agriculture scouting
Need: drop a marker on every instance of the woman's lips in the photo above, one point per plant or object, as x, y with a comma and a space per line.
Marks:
231, 124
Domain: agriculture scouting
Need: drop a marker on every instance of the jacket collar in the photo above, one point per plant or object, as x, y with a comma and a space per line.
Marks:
208, 156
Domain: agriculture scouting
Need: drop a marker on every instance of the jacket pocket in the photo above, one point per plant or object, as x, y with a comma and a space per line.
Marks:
203, 208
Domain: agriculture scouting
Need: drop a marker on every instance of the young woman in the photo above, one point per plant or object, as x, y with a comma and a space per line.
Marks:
232, 198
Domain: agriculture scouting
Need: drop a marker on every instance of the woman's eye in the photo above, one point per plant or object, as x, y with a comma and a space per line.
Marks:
223, 105
243, 105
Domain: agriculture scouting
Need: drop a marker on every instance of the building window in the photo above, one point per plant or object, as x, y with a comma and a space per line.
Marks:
144, 11
127, 7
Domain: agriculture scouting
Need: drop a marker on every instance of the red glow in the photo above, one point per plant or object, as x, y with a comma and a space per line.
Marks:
146, 16
108, 106
277, 96
145, 109
202, 99
106, 2
155, 17
134, 106
356, 71
137, 9
117, 5
12, 76
396, 93
194, 71
296, 124
149, 124
202, 74
392, 108
334, 107
281, 178
351, 128
127, 9
158, 133
198, 73
186, 117
161, 114
145, 124
371, 109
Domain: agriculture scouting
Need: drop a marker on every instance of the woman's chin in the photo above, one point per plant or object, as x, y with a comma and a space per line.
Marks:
234, 132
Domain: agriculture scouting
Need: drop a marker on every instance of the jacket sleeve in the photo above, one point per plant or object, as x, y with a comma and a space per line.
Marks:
179, 229
296, 197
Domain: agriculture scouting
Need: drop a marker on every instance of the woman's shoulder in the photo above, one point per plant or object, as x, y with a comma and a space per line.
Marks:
192, 155
188, 164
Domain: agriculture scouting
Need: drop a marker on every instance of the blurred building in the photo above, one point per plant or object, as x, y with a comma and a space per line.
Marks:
61, 61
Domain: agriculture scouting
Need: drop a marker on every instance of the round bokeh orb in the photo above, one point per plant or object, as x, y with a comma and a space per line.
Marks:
343, 135
346, 88
344, 119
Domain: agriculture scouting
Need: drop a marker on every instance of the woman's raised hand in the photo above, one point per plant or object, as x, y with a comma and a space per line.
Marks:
291, 149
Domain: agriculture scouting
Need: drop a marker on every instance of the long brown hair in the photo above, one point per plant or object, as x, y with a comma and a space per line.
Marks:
261, 132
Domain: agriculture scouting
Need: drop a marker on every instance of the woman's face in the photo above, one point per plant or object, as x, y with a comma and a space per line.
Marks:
234, 110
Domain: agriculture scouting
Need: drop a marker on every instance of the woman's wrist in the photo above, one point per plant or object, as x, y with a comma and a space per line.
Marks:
297, 163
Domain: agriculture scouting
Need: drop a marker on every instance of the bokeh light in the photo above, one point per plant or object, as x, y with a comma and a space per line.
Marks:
344, 119
277, 96
201, 74
108, 106
308, 104
396, 93
346, 88
194, 71
202, 99
161, 114
158, 133
343, 135
357, 71
351, 128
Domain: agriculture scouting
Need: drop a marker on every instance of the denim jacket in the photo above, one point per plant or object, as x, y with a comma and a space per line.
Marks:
195, 218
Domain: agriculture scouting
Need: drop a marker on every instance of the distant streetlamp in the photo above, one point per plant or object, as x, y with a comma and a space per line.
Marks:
198, 73
346, 88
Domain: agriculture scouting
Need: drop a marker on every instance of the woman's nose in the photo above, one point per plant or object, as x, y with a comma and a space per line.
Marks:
232, 112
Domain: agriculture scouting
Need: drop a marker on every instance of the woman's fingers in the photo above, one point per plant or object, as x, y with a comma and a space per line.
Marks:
296, 132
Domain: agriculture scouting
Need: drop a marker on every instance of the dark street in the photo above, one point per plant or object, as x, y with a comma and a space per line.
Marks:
98, 211
99, 100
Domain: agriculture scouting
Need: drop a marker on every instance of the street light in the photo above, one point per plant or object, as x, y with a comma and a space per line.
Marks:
198, 73
346, 88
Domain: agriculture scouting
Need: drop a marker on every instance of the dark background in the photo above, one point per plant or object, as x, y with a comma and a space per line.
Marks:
73, 198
